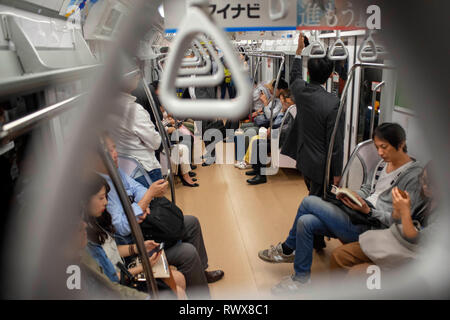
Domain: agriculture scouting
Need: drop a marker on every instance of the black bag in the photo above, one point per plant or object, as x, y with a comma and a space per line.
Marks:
165, 223
356, 217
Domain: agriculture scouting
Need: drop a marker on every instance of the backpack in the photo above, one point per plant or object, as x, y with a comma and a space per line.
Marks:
165, 223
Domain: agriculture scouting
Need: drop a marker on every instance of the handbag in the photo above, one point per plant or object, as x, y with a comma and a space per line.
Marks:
165, 223
387, 248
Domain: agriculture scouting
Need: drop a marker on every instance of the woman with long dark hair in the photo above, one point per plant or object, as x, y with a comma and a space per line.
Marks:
100, 231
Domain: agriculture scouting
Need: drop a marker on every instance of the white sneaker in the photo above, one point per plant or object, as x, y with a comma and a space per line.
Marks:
242, 165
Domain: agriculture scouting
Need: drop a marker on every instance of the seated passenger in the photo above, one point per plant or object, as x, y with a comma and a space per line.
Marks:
257, 163
393, 247
214, 125
94, 283
318, 217
102, 245
135, 133
262, 115
188, 256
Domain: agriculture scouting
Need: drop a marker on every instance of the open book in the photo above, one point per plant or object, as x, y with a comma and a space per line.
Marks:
347, 192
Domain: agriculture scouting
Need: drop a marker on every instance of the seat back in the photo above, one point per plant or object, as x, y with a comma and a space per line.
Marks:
361, 165
132, 167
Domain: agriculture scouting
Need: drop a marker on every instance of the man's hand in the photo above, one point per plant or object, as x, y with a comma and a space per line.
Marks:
142, 217
158, 188
336, 180
349, 203
401, 206
301, 44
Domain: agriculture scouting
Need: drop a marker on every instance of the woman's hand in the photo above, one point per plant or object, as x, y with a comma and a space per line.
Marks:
150, 245
401, 205
264, 99
154, 258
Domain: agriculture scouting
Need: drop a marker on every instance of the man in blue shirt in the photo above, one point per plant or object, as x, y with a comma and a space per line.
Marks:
189, 255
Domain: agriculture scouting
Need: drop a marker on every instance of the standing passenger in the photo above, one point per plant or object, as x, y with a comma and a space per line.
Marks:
310, 136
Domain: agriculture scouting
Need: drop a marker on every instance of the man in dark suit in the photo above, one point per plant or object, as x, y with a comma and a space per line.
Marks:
309, 138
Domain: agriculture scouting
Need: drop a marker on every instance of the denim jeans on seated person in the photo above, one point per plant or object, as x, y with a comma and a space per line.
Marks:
155, 175
316, 216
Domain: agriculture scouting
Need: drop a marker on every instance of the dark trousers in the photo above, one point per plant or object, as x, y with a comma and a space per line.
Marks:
190, 258
315, 189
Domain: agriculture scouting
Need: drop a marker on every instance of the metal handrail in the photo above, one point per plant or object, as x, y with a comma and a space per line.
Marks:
272, 99
339, 113
42, 79
372, 114
24, 124
165, 138
350, 161
135, 229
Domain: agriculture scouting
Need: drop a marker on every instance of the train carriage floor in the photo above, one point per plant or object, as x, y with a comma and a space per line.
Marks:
239, 219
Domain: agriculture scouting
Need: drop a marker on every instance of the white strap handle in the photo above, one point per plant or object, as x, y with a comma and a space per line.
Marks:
196, 56
274, 16
338, 44
316, 44
197, 21
374, 55
204, 81
202, 70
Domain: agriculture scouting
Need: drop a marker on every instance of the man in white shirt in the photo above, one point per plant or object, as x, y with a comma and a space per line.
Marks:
135, 134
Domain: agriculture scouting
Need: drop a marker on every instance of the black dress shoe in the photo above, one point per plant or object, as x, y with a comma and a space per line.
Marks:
213, 276
257, 179
185, 183
194, 179
192, 174
193, 166
205, 164
251, 173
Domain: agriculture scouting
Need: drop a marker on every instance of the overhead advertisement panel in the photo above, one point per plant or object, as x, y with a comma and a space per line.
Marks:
239, 15
276, 15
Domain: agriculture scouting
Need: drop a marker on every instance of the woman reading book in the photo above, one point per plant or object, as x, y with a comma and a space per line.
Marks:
318, 217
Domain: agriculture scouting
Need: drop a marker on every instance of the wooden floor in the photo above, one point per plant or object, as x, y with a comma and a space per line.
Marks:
239, 219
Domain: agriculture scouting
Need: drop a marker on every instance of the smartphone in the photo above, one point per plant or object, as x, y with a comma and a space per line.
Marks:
157, 249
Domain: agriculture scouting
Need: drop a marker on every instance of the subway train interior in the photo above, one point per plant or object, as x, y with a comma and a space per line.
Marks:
224, 150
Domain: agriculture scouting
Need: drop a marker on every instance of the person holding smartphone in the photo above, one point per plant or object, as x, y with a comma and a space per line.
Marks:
101, 232
316, 216
412, 226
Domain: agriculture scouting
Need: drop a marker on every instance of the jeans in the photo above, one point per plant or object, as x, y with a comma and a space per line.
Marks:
318, 217
155, 175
